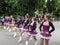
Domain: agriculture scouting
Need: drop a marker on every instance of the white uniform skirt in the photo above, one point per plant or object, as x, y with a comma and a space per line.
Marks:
25, 28
6, 23
18, 28
34, 33
44, 37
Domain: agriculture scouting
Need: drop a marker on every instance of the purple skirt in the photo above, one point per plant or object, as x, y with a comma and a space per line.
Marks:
33, 33
10, 22
6, 23
25, 28
18, 26
45, 35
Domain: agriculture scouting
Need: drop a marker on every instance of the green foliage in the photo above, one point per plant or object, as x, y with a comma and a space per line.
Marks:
20, 7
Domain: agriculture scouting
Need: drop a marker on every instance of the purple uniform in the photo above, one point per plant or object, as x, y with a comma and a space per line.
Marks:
32, 29
19, 24
10, 20
25, 27
6, 22
46, 29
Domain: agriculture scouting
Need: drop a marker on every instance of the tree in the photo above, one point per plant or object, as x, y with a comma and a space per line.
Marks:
2, 7
20, 7
51, 5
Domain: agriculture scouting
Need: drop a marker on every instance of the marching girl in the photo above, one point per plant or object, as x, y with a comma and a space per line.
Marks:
6, 22
11, 23
24, 28
19, 24
32, 31
45, 32
41, 19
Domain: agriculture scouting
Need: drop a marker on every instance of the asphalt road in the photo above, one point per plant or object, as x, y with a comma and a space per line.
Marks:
7, 38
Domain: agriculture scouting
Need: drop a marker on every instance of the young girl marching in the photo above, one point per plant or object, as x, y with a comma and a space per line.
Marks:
6, 22
41, 19
24, 28
18, 26
45, 33
11, 23
32, 31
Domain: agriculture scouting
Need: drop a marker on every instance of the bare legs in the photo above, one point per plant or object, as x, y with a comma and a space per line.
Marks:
20, 38
27, 39
46, 41
42, 41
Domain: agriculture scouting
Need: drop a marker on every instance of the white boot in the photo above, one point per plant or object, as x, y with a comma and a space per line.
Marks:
20, 39
4, 27
30, 39
14, 28
15, 34
36, 43
23, 34
26, 43
9, 30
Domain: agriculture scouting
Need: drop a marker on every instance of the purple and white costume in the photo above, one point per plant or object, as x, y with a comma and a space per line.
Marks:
41, 20
46, 29
6, 22
32, 29
25, 25
11, 22
18, 25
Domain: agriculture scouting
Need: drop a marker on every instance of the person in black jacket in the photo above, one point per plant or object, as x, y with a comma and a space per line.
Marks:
45, 33
32, 31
